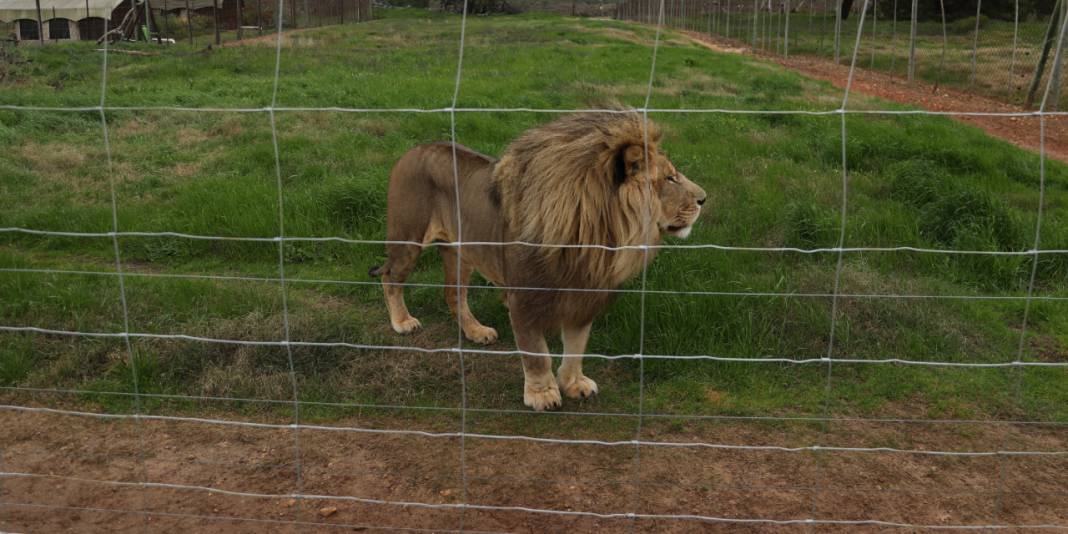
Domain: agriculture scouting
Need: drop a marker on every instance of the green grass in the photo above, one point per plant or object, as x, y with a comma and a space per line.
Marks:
944, 58
773, 181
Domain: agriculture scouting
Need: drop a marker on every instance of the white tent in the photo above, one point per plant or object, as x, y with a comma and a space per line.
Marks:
11, 10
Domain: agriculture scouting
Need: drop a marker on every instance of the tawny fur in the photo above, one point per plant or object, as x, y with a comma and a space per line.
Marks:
590, 179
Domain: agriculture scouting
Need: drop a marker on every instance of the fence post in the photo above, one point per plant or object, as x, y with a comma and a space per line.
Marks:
753, 41
215, 15
259, 16
893, 37
240, 20
838, 30
975, 40
822, 34
1015, 33
714, 13
874, 29
1041, 65
148, 24
786, 33
189, 20
728, 15
912, 42
1055, 73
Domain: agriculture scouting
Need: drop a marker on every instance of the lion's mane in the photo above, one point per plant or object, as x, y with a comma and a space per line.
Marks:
569, 182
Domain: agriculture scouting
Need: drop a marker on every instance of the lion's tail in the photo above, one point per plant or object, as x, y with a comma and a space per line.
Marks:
376, 271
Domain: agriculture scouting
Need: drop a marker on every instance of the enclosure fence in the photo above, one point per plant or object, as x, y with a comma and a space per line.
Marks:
1002, 50
663, 14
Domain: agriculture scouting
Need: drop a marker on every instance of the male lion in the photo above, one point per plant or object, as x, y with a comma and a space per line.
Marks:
591, 179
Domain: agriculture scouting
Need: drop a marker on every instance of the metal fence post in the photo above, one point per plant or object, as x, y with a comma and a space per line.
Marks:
838, 30
975, 40
893, 38
874, 30
786, 33
1015, 33
912, 42
215, 15
753, 41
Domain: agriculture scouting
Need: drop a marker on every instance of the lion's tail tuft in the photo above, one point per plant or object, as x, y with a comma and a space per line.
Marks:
375, 271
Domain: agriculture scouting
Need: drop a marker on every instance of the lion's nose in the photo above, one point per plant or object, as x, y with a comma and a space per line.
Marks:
701, 202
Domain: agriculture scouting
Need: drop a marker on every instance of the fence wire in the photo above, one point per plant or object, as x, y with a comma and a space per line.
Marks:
1002, 50
775, 26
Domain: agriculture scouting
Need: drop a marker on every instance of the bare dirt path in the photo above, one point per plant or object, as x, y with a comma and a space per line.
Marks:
1021, 131
67, 453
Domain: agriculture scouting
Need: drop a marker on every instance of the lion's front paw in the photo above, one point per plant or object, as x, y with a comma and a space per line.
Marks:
407, 325
481, 334
542, 397
577, 386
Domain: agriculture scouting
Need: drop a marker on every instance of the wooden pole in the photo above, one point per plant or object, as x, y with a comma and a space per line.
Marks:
341, 10
1054, 17
259, 17
215, 15
1053, 91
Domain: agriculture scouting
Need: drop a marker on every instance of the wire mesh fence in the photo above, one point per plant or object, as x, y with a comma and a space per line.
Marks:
638, 452
996, 49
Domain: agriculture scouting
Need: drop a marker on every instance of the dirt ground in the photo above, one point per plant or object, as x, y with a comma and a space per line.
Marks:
1020, 131
781, 485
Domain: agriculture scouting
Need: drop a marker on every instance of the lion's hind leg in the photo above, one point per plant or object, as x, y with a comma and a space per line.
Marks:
395, 272
456, 296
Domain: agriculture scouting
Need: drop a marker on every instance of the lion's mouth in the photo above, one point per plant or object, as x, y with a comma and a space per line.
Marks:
681, 232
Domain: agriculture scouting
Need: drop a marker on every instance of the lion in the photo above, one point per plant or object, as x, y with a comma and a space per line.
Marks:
558, 223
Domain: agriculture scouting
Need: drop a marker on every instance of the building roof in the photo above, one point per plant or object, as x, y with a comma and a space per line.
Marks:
50, 9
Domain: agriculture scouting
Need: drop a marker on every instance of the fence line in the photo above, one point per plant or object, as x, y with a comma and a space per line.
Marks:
976, 47
429, 285
505, 411
489, 352
659, 246
530, 510
770, 30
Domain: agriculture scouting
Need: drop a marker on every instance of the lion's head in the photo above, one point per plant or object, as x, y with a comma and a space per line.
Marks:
679, 199
594, 179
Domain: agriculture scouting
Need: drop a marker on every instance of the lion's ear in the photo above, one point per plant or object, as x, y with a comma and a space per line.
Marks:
629, 160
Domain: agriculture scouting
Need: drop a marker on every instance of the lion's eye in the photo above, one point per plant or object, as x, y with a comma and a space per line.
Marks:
672, 178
